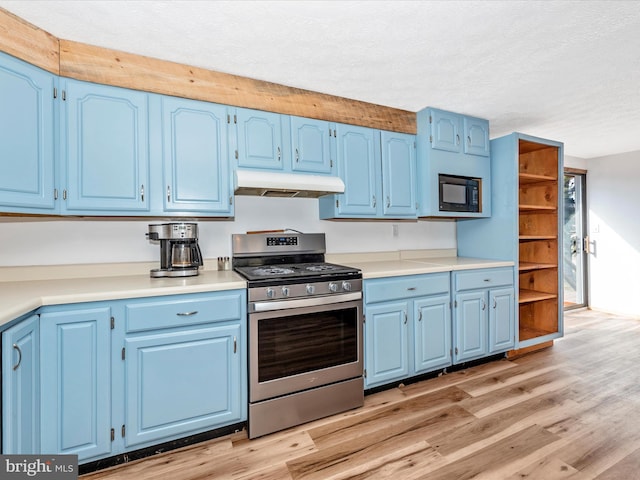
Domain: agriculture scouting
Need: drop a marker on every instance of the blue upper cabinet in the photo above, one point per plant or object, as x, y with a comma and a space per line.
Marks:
105, 150
445, 130
456, 145
27, 147
378, 169
476, 136
310, 146
358, 166
259, 139
195, 158
398, 174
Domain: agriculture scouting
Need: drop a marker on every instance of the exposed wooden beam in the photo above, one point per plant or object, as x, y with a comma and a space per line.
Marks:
28, 42
111, 67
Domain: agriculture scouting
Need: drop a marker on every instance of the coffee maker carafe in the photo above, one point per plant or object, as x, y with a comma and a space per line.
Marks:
180, 254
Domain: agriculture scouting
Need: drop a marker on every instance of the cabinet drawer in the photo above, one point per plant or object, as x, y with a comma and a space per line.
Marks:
181, 310
405, 287
473, 279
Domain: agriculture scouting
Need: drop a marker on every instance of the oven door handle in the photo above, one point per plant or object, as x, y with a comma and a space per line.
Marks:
306, 302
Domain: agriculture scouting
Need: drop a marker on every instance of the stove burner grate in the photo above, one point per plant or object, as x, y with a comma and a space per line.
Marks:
320, 268
272, 271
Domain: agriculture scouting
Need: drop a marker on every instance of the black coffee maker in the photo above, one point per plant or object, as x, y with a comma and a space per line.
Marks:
180, 254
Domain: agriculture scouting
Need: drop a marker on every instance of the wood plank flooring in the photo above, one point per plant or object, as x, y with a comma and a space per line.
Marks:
568, 412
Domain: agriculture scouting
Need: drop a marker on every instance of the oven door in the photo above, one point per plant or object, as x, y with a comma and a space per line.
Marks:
318, 342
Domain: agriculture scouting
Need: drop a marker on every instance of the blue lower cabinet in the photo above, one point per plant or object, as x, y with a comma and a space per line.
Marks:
386, 343
126, 374
471, 326
407, 327
432, 333
502, 325
181, 382
21, 387
484, 313
75, 377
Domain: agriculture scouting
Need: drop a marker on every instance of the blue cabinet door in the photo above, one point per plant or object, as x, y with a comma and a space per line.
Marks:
398, 174
76, 382
476, 136
26, 137
195, 159
501, 320
359, 167
105, 149
181, 382
471, 326
259, 139
21, 388
386, 343
432, 333
310, 146
445, 130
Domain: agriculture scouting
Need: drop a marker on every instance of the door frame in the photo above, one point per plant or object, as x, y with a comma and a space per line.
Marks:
585, 238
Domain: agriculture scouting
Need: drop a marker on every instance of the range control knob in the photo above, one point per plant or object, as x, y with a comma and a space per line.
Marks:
333, 287
270, 293
311, 289
285, 291
346, 286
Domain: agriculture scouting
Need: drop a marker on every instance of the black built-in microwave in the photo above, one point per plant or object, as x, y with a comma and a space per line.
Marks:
459, 194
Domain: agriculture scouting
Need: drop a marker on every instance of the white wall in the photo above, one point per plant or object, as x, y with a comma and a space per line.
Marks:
575, 162
613, 197
25, 241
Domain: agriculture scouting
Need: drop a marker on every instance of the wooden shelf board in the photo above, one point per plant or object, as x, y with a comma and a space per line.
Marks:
527, 296
529, 238
527, 333
533, 178
534, 208
528, 266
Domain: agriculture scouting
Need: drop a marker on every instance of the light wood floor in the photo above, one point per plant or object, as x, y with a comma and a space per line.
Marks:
568, 412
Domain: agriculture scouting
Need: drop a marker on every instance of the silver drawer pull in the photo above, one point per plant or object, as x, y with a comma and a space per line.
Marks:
411, 289
186, 314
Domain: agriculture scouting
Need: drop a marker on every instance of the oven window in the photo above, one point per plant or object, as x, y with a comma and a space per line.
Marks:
304, 343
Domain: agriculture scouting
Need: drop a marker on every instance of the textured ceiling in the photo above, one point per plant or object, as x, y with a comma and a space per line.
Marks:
564, 70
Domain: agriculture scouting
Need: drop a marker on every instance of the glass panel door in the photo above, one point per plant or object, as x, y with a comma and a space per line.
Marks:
575, 240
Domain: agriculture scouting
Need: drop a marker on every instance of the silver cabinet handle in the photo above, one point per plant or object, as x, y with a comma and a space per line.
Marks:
187, 314
419, 315
168, 193
15, 346
495, 304
142, 193
374, 201
405, 318
411, 289
457, 139
297, 156
484, 305
388, 202
279, 153
469, 141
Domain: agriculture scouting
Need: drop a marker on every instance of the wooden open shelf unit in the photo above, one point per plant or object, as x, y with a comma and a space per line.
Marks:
538, 235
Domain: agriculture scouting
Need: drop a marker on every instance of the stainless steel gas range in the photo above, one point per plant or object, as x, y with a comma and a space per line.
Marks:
305, 330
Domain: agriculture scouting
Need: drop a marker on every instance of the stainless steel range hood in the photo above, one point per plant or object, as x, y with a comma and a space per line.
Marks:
274, 184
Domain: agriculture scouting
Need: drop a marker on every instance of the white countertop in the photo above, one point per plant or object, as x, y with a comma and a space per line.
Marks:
394, 268
23, 290
20, 297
